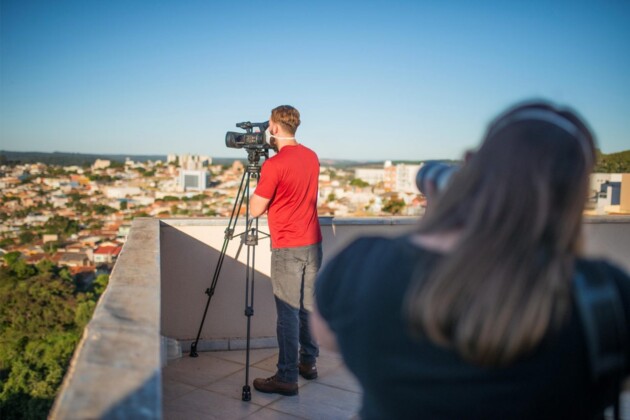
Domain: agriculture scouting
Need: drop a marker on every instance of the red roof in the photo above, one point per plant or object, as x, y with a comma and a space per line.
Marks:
108, 250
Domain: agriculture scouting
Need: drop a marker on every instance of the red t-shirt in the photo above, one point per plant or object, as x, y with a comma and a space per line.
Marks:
290, 180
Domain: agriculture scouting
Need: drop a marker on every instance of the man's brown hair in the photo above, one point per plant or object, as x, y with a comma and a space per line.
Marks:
287, 116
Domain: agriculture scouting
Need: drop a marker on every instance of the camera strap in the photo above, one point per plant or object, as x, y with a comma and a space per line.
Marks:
605, 327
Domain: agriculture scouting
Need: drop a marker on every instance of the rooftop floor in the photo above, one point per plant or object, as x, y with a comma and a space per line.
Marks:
210, 386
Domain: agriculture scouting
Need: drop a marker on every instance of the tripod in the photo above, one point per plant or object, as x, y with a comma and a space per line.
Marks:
250, 238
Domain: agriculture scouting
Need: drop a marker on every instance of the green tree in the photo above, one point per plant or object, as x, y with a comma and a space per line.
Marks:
22, 269
6, 242
358, 182
11, 258
26, 237
393, 206
41, 319
45, 266
61, 225
51, 248
102, 209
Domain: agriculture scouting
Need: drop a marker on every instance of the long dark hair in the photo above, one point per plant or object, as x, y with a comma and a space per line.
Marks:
517, 205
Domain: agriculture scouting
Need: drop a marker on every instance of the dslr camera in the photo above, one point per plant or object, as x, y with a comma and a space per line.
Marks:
253, 138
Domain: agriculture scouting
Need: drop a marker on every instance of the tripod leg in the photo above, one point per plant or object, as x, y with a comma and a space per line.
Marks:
229, 232
251, 241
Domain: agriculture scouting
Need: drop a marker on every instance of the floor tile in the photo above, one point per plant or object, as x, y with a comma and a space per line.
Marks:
317, 401
172, 389
232, 386
269, 414
199, 371
204, 404
340, 378
268, 364
238, 356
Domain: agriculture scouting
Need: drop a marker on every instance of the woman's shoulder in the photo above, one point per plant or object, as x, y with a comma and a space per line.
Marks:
378, 246
601, 270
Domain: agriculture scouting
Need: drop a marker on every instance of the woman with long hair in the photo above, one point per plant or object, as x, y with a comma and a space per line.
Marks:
473, 315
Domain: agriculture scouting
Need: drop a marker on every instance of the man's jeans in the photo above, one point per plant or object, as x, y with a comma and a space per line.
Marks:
293, 273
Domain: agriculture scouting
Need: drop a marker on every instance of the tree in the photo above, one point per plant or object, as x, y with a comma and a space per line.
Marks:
61, 225
123, 205
358, 182
26, 237
41, 320
6, 242
22, 269
393, 206
45, 266
102, 209
11, 258
613, 163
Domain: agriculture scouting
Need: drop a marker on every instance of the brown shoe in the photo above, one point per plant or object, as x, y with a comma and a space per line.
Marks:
274, 386
308, 370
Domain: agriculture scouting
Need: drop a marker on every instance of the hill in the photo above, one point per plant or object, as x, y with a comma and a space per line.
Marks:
613, 163
68, 159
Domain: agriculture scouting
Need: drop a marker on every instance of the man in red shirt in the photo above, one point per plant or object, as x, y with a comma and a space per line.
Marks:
288, 190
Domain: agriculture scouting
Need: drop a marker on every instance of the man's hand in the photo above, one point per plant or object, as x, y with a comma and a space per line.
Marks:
257, 205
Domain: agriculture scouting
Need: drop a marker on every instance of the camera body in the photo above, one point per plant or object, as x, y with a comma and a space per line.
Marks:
252, 138
437, 173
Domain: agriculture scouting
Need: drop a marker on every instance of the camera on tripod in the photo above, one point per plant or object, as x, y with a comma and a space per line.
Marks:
252, 138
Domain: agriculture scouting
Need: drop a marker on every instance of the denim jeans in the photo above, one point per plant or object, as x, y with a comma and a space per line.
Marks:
293, 273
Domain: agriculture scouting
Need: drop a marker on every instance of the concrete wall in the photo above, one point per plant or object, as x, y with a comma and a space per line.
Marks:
190, 249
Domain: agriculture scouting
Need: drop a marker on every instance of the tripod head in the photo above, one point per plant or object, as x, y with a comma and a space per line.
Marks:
253, 159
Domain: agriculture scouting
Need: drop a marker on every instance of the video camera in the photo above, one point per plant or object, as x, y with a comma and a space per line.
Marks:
251, 139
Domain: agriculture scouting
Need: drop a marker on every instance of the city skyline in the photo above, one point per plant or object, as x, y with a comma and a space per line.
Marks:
397, 80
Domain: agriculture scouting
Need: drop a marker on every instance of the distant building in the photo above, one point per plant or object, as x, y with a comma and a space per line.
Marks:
611, 193
50, 237
370, 175
74, 259
106, 254
405, 178
123, 231
193, 180
121, 192
190, 162
101, 164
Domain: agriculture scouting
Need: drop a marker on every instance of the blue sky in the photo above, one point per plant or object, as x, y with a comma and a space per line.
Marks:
373, 80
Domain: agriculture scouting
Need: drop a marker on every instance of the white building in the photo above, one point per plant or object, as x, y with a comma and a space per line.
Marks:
370, 175
101, 164
611, 192
194, 162
406, 178
193, 180
121, 192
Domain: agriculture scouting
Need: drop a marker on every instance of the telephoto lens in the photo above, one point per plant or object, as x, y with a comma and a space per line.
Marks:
436, 173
